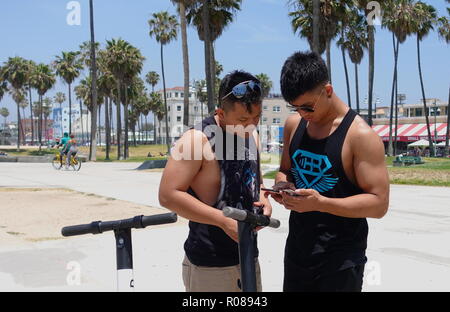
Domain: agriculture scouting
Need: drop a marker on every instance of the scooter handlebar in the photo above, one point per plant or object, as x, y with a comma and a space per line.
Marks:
250, 217
137, 222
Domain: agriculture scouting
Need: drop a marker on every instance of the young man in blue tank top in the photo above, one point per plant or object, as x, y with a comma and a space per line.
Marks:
335, 163
214, 164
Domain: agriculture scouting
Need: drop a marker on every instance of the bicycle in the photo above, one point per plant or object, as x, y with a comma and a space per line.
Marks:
75, 162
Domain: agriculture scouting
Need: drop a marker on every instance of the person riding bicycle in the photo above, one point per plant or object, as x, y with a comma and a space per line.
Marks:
71, 149
63, 143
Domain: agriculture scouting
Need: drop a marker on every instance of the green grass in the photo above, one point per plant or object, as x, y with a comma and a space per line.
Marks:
29, 152
434, 172
137, 153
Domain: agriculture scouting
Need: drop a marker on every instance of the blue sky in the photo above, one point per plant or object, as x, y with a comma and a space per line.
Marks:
258, 41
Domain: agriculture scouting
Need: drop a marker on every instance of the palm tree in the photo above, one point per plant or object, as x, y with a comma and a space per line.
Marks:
302, 20
5, 113
163, 27
159, 110
93, 71
42, 79
354, 40
152, 78
68, 66
124, 62
425, 17
202, 96
31, 69
23, 105
363, 5
15, 72
399, 19
211, 17
266, 84
106, 87
3, 90
60, 98
181, 5
444, 33
46, 110
358, 42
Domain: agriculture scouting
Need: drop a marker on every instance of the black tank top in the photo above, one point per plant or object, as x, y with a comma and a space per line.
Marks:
209, 245
318, 242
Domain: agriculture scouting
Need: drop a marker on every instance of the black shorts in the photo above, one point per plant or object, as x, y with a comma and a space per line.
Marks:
348, 280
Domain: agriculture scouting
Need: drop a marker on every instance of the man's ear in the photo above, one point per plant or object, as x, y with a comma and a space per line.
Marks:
220, 113
329, 89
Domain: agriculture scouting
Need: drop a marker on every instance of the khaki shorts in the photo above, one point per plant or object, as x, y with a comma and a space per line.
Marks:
215, 279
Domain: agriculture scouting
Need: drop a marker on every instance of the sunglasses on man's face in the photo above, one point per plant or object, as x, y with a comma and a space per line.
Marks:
306, 108
243, 88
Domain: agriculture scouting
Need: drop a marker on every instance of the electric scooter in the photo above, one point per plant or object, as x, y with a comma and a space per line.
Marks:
122, 232
247, 222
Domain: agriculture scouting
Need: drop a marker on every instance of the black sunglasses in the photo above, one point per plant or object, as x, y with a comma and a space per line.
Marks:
306, 108
241, 89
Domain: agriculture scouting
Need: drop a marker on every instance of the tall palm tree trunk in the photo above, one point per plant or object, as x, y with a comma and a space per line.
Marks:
19, 127
107, 129
40, 122
118, 123
185, 62
125, 120
371, 37
93, 146
213, 74
207, 42
316, 25
447, 134
394, 79
70, 110
431, 146
99, 125
165, 102
396, 115
328, 51
349, 100
81, 121
357, 88
31, 116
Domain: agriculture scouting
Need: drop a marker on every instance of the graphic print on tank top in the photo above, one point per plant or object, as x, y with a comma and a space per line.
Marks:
310, 171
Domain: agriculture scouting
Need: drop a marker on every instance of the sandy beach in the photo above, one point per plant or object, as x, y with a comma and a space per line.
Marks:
37, 214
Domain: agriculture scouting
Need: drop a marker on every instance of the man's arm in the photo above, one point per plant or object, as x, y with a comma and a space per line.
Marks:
371, 176
176, 179
285, 164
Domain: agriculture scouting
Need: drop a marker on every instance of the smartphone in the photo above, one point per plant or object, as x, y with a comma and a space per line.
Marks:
290, 192
287, 191
270, 190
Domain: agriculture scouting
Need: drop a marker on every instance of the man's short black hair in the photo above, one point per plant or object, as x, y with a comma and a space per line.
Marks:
302, 72
232, 79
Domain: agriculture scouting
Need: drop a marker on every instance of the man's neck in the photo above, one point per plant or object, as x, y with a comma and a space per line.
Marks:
338, 109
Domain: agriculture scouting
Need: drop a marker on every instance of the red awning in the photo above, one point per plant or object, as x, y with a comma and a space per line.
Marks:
412, 132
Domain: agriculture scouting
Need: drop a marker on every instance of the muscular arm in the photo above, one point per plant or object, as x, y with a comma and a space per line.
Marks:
371, 176
178, 176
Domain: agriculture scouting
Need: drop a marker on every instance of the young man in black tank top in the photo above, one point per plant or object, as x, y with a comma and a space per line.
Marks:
214, 164
335, 163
